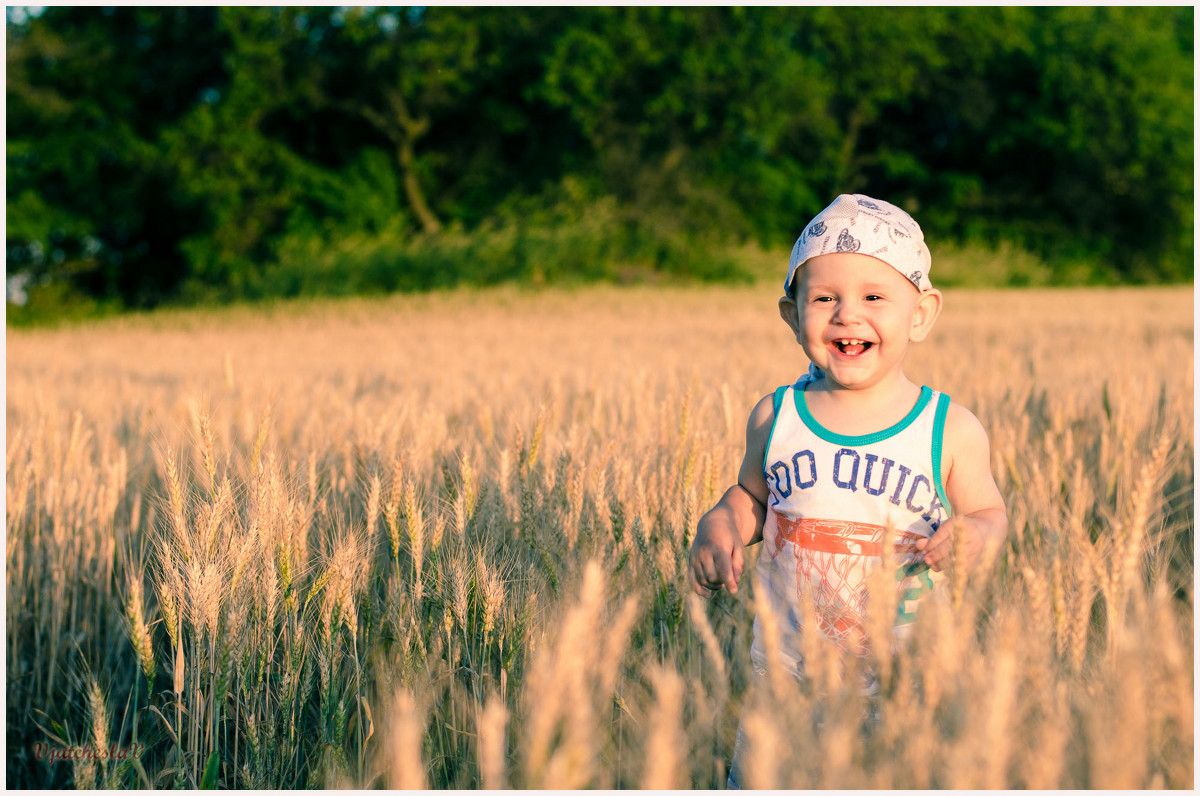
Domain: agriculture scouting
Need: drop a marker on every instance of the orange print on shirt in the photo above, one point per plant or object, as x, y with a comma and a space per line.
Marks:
830, 559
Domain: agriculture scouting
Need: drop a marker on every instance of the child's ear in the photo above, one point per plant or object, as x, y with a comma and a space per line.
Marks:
928, 307
790, 312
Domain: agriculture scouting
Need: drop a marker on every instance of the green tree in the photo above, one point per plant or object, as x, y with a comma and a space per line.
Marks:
393, 68
91, 202
1067, 131
188, 152
687, 111
230, 162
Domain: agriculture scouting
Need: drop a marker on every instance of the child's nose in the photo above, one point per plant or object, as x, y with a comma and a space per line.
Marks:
848, 312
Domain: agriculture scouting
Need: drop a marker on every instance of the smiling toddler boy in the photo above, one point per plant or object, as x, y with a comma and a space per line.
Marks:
853, 449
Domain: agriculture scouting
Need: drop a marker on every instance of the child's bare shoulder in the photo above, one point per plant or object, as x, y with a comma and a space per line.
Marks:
965, 446
967, 464
762, 415
963, 429
758, 436
758, 425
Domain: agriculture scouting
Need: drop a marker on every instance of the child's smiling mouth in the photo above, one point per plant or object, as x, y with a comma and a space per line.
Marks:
852, 347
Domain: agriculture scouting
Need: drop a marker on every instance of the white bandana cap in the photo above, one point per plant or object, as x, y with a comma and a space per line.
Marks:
857, 223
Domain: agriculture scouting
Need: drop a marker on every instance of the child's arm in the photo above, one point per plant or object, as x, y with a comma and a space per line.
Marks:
978, 509
716, 560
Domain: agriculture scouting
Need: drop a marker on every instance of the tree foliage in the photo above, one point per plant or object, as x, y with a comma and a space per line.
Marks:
190, 153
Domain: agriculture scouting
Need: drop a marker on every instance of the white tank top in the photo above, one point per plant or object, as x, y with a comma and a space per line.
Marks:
832, 499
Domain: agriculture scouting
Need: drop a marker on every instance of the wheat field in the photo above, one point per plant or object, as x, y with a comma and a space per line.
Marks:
439, 542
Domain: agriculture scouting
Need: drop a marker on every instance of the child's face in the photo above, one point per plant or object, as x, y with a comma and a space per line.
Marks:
855, 316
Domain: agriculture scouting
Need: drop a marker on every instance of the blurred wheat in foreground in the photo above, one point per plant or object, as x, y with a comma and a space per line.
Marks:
439, 542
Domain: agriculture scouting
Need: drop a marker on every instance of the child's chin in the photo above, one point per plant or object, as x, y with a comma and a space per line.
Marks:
851, 379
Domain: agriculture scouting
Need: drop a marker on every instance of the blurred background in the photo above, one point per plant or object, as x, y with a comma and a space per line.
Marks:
209, 155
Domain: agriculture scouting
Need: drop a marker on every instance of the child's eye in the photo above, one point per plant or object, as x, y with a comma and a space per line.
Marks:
874, 297
823, 298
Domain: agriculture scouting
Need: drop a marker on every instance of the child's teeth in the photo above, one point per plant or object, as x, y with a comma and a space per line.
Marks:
851, 346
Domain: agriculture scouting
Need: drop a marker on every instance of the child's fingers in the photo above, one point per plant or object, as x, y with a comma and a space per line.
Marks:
710, 574
725, 574
936, 547
937, 538
712, 567
939, 547
737, 564
724, 578
700, 583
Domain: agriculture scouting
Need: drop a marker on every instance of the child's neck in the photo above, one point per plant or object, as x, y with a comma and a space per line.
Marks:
858, 412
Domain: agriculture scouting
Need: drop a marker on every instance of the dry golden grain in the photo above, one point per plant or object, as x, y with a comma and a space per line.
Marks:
205, 588
260, 440
391, 516
84, 773
1081, 619
406, 764
207, 445
1046, 764
99, 713
139, 631
666, 746
373, 498
998, 729
414, 526
180, 668
574, 506
492, 728
616, 643
765, 614
633, 434
491, 588
459, 588
182, 537
712, 648
1117, 727
765, 750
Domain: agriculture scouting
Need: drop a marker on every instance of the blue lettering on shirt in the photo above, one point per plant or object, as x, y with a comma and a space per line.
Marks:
895, 498
801, 473
913, 493
871, 458
851, 482
801, 481
783, 484
935, 513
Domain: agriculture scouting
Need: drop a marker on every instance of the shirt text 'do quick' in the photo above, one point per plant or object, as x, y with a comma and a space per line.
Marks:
852, 471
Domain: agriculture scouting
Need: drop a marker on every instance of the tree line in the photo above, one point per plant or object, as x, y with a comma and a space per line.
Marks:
194, 154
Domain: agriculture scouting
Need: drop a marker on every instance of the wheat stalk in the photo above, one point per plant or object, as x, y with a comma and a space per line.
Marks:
407, 769
492, 727
139, 631
666, 745
526, 666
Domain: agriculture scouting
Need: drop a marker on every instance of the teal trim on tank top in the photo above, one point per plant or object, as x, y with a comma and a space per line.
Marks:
939, 429
778, 403
865, 439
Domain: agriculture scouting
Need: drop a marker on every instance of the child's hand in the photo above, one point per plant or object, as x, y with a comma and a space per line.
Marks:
975, 538
716, 559
939, 547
